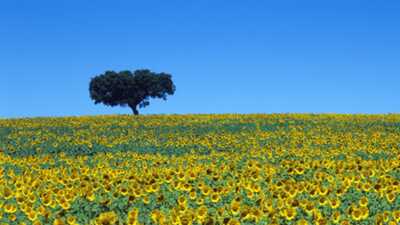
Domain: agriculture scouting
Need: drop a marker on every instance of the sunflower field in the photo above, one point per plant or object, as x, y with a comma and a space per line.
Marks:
201, 169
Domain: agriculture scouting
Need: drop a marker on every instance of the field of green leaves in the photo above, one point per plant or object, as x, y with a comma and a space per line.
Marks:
201, 169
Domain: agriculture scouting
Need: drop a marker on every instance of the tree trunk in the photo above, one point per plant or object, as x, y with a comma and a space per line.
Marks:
134, 109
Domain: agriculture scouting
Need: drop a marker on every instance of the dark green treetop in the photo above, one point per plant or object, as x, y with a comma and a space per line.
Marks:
133, 89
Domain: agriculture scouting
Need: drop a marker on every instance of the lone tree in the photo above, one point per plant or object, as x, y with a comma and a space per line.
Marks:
130, 89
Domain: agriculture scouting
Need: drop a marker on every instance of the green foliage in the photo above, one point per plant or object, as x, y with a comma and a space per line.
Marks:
130, 89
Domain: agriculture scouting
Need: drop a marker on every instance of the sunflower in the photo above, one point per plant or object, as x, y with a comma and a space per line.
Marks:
356, 214
70, 196
123, 190
299, 170
379, 219
10, 208
302, 222
47, 201
32, 215
300, 188
235, 208
221, 211
366, 187
53, 204
168, 178
317, 214
396, 215
162, 220
42, 210
133, 213
200, 201
23, 207
313, 192
182, 200
115, 194
192, 194
359, 186
133, 217
71, 220
289, 213
377, 187
257, 213
107, 187
309, 208
12, 217
58, 221
181, 176
364, 212
363, 201
202, 212
7, 192
155, 216
233, 222
256, 188
334, 203
330, 179
303, 203
390, 196
107, 218
137, 192
396, 184
31, 198
186, 187
335, 217
215, 197
186, 220
160, 198
65, 204
340, 192
386, 216
292, 202
345, 222
90, 196
146, 200
19, 198
182, 208
323, 191
250, 194
244, 211
292, 192
321, 221
148, 188
323, 201
206, 190
192, 176
175, 220
249, 217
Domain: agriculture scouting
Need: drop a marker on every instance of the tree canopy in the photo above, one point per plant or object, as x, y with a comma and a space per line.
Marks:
133, 89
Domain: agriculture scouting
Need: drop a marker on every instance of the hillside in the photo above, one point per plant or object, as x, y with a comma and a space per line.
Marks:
201, 169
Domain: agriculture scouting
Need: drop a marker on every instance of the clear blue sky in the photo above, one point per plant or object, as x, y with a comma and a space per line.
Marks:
250, 56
